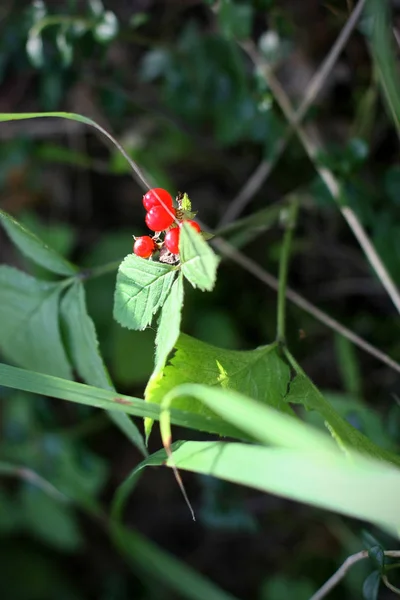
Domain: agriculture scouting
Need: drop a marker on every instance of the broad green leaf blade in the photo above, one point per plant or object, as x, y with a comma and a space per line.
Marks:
198, 261
29, 317
259, 421
80, 393
141, 289
34, 248
81, 338
84, 349
303, 391
165, 568
384, 56
260, 374
167, 334
353, 486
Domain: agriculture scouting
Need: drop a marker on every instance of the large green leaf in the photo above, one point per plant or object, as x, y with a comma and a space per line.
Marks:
29, 332
167, 334
34, 248
260, 374
80, 393
141, 289
84, 350
303, 391
198, 261
169, 324
352, 485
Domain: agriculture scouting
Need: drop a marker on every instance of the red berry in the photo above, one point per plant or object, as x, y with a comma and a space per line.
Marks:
144, 246
195, 225
172, 236
156, 197
172, 240
158, 219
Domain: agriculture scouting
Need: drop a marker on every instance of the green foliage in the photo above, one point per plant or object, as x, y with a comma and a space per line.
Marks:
198, 261
198, 111
260, 374
302, 391
34, 248
141, 289
29, 307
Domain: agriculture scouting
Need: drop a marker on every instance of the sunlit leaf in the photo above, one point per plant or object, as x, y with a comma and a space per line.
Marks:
198, 261
141, 289
167, 334
260, 374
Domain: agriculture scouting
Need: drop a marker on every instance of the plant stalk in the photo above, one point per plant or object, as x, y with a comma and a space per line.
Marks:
290, 224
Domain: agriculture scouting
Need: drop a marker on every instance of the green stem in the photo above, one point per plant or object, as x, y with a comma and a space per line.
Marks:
290, 224
101, 270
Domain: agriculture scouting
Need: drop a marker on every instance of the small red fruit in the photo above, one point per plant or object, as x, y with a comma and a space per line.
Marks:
195, 225
172, 236
172, 240
154, 198
144, 246
158, 219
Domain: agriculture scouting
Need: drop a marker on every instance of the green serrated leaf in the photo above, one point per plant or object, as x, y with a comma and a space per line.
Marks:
34, 248
84, 349
81, 338
167, 335
141, 289
198, 261
29, 332
260, 374
303, 391
169, 324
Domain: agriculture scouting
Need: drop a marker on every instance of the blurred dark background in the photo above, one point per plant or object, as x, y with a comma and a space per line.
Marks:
172, 83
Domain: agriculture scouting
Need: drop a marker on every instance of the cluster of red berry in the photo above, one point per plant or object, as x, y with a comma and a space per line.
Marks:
161, 217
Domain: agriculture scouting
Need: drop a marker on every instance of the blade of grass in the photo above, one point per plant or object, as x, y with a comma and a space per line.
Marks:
72, 391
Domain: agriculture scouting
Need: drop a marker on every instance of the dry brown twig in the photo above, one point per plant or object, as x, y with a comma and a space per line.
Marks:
259, 176
341, 572
313, 148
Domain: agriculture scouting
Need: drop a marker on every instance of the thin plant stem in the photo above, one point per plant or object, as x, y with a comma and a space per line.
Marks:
313, 148
342, 571
291, 218
263, 170
100, 270
262, 275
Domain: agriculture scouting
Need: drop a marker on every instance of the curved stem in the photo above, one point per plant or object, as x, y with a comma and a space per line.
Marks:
291, 218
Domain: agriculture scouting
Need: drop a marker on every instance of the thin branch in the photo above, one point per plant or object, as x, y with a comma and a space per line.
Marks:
390, 586
312, 147
342, 571
263, 170
290, 224
252, 267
